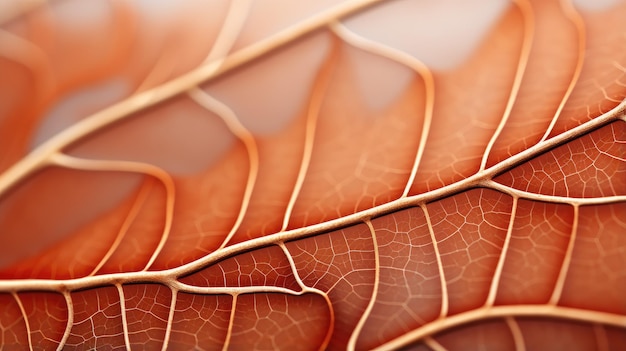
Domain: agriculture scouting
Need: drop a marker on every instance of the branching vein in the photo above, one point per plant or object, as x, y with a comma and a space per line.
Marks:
529, 23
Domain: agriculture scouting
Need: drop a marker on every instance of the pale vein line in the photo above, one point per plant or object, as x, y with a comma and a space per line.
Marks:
434, 344
228, 290
467, 183
120, 291
70, 320
26, 322
528, 36
292, 265
234, 125
576, 19
551, 198
170, 319
601, 339
313, 110
163, 67
482, 313
123, 109
357, 330
230, 30
231, 322
493, 290
134, 167
413, 63
516, 332
444, 286
471, 182
128, 221
304, 287
560, 282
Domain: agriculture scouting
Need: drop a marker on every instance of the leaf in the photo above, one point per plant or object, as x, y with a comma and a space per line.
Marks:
347, 175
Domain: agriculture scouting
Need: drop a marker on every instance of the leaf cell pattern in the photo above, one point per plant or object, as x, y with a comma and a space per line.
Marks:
225, 175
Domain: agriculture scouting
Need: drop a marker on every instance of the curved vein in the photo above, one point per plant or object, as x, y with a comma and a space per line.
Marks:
231, 322
313, 110
234, 125
357, 330
134, 167
414, 200
482, 313
576, 19
516, 333
20, 305
120, 292
210, 70
493, 290
444, 285
70, 320
226, 37
128, 221
407, 60
230, 30
529, 31
170, 319
477, 180
305, 288
560, 282
491, 184
232, 290
434, 344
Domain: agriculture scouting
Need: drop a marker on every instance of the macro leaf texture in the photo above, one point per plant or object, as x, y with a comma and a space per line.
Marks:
312, 175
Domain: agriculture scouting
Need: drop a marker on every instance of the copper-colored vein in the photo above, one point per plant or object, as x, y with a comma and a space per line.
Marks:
305, 288
413, 63
493, 290
573, 15
128, 221
231, 322
234, 22
522, 194
174, 87
415, 200
120, 291
442, 276
128, 166
232, 122
370, 305
516, 333
25, 316
170, 319
230, 290
70, 319
548, 311
313, 110
163, 67
529, 23
434, 344
560, 282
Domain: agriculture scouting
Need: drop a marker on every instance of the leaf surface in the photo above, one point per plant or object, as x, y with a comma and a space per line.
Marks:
263, 175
